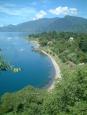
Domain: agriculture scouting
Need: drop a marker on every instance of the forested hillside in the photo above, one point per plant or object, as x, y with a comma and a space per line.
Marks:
67, 45
65, 24
70, 94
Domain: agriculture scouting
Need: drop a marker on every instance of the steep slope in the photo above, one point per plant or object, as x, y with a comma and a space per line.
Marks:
66, 24
35, 26
30, 26
69, 24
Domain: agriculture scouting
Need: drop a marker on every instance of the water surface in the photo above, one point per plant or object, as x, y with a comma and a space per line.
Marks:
37, 69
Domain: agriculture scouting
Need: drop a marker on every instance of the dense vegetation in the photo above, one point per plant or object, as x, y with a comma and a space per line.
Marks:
68, 46
3, 65
70, 95
68, 98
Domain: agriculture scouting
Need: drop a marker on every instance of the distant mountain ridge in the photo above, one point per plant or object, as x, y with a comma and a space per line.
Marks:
66, 24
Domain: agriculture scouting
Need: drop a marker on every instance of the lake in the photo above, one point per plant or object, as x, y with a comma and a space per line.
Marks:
37, 68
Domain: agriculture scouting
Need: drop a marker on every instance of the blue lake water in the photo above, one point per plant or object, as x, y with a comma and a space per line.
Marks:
37, 68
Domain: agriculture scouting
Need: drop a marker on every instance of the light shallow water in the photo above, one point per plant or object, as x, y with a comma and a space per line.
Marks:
37, 68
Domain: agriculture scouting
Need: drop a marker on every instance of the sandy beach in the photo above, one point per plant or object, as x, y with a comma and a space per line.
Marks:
57, 75
57, 70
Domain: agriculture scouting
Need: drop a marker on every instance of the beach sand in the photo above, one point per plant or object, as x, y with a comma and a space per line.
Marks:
57, 70
57, 75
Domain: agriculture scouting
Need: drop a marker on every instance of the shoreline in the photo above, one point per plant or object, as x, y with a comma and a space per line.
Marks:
55, 65
57, 71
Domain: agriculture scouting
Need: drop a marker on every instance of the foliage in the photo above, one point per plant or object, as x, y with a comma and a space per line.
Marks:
3, 65
67, 45
69, 97
83, 45
70, 94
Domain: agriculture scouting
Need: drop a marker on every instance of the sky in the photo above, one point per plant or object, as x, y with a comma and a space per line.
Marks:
18, 11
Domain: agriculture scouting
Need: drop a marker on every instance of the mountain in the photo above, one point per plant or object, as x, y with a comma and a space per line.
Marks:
35, 26
66, 24
69, 24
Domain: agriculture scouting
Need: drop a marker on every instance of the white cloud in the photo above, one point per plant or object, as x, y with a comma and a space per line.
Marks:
40, 15
64, 11
17, 11
74, 11
25, 12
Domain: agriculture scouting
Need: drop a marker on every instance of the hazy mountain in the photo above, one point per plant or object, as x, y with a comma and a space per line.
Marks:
68, 23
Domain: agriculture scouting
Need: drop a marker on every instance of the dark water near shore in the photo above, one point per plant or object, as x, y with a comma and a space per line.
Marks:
37, 68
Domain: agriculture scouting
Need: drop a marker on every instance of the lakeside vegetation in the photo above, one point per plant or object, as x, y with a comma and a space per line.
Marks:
67, 45
3, 65
70, 94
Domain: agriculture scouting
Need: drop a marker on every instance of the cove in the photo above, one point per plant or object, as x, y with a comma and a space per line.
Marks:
37, 68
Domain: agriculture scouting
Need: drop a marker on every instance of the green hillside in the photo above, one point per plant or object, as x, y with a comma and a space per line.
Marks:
66, 24
69, 97
68, 46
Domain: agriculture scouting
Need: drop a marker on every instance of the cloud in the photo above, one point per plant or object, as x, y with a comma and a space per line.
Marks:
40, 15
24, 12
17, 11
63, 11
74, 11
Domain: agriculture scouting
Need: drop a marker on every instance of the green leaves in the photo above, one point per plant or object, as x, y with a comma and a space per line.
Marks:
70, 94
